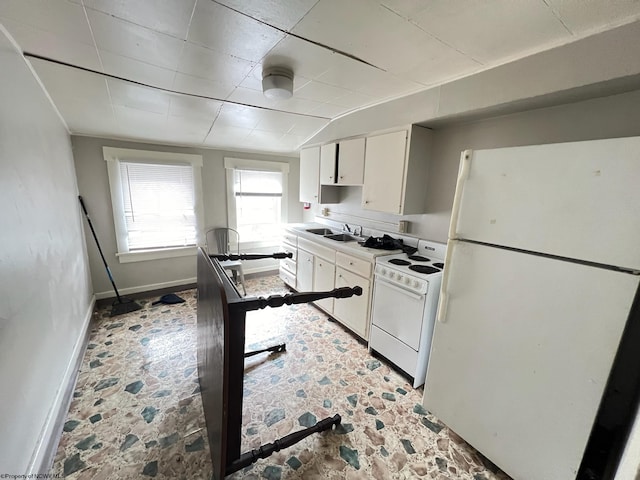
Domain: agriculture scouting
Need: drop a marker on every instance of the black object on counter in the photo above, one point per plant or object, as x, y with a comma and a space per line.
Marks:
386, 242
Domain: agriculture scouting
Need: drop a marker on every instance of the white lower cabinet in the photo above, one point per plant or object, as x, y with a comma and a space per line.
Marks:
354, 311
288, 267
304, 274
323, 278
319, 268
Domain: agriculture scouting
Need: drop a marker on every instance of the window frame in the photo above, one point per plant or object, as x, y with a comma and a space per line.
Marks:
231, 164
113, 157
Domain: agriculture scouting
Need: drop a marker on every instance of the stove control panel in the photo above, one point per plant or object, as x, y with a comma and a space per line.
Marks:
401, 279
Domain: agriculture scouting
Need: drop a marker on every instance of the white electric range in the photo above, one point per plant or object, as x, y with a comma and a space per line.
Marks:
405, 299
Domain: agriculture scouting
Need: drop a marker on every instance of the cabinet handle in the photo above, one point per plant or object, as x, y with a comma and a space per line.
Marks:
350, 263
341, 176
366, 201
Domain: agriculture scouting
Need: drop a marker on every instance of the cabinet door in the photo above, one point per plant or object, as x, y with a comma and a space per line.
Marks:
304, 273
351, 162
309, 174
384, 175
354, 311
328, 164
323, 275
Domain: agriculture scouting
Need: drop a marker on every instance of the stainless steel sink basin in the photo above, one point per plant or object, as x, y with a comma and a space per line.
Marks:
320, 231
341, 237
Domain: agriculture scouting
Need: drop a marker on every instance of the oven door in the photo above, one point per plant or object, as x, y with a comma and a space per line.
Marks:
398, 311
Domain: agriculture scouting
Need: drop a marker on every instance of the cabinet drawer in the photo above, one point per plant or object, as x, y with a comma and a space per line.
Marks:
353, 264
353, 312
290, 238
287, 278
287, 248
318, 250
289, 265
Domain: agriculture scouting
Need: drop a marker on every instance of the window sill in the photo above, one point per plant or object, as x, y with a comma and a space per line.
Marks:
144, 255
245, 247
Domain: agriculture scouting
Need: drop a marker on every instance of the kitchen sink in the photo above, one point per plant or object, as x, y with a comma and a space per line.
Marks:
320, 231
341, 237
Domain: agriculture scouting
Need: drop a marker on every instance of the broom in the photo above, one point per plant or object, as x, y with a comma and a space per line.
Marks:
121, 305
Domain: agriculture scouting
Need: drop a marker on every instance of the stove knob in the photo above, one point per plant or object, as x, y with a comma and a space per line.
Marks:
407, 281
416, 283
383, 271
399, 278
391, 274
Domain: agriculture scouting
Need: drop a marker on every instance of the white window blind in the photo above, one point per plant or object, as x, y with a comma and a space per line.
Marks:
159, 205
258, 199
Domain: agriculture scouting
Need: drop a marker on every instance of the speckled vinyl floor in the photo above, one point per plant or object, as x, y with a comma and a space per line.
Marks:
137, 411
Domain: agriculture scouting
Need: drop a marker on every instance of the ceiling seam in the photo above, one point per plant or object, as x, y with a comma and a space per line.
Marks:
304, 16
168, 90
126, 20
558, 17
434, 37
184, 42
212, 124
300, 37
95, 45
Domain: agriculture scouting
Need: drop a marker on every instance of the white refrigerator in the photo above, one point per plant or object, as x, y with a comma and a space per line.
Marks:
539, 281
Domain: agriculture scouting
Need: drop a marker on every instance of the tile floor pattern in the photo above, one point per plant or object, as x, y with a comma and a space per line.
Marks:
137, 411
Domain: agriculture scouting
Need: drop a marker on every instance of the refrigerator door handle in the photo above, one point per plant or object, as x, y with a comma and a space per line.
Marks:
465, 165
444, 287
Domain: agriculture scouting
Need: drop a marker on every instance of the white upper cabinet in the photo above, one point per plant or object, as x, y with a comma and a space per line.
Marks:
351, 162
328, 156
395, 171
309, 174
310, 189
342, 163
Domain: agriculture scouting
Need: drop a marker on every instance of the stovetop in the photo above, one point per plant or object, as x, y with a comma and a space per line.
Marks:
428, 260
413, 272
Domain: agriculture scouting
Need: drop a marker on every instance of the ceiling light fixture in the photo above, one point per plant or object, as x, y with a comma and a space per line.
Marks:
277, 83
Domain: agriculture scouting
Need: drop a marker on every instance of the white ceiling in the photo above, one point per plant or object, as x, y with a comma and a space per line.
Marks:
189, 71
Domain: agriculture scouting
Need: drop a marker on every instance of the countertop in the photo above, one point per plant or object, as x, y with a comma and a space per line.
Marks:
351, 247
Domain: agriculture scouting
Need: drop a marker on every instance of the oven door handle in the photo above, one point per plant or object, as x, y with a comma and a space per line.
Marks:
415, 296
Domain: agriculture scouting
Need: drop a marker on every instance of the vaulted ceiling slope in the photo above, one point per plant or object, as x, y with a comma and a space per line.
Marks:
189, 71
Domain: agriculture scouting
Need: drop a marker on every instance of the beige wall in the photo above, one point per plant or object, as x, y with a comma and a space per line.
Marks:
45, 288
93, 183
607, 117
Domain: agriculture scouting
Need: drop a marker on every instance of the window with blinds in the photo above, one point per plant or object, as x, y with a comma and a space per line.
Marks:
258, 200
158, 204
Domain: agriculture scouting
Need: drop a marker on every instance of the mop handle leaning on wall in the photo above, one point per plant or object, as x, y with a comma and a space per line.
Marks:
95, 237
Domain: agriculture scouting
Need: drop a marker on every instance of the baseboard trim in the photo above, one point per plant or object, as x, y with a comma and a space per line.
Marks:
260, 272
45, 451
146, 288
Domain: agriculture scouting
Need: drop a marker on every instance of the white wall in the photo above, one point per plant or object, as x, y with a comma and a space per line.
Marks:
45, 287
93, 183
607, 117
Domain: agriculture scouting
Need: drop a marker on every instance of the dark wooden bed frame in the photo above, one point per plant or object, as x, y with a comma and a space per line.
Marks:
221, 337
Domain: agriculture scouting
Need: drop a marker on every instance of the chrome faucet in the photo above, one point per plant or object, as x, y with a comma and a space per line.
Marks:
346, 227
